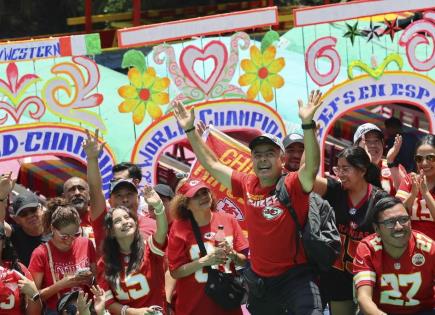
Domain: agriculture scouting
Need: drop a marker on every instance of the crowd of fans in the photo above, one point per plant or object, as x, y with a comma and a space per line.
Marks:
136, 252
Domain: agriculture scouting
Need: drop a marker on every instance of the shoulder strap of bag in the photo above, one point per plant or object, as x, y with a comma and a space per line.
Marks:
51, 265
284, 197
198, 237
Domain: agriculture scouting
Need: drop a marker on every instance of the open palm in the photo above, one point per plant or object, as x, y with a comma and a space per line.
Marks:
306, 112
185, 118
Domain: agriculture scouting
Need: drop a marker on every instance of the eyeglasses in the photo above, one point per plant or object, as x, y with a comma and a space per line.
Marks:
391, 223
420, 158
26, 212
342, 170
65, 237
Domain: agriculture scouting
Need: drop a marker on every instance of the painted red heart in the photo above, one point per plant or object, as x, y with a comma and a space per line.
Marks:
215, 50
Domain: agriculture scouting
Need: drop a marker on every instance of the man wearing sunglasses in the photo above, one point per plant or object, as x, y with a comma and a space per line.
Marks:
27, 232
394, 269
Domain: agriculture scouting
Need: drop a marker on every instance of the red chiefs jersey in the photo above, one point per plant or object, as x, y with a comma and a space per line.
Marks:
420, 215
10, 299
269, 222
183, 248
81, 255
387, 181
142, 288
400, 286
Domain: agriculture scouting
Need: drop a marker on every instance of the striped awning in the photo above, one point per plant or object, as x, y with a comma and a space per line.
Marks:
47, 177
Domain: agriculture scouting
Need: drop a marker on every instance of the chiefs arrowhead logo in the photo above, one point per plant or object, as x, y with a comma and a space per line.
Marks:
271, 213
209, 235
226, 205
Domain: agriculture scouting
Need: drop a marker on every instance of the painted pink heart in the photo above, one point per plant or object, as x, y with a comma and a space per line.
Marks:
191, 54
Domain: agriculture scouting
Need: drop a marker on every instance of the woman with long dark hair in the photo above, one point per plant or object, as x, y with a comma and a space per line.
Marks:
417, 190
195, 201
18, 292
350, 194
65, 262
131, 271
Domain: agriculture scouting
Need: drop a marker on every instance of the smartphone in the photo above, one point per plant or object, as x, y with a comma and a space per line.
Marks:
83, 271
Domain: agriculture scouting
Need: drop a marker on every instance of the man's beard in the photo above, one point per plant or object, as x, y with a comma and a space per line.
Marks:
79, 204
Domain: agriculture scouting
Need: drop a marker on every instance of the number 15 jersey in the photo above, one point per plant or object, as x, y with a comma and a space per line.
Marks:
400, 286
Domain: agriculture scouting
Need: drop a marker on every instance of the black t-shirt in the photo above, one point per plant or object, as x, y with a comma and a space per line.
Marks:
24, 244
350, 219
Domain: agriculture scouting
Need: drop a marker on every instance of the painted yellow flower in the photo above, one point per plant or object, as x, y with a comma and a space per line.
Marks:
146, 93
261, 73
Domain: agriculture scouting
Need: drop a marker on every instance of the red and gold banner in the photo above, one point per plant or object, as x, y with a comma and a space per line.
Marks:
233, 154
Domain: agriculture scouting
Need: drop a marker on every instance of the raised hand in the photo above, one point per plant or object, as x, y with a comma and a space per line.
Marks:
99, 300
422, 183
151, 197
414, 184
6, 185
306, 112
394, 151
201, 127
91, 145
83, 303
186, 119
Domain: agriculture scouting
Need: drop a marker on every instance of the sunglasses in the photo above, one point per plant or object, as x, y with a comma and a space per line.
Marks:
429, 158
391, 223
26, 212
342, 170
65, 237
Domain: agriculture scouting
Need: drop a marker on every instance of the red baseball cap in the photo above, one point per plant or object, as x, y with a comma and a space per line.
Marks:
190, 187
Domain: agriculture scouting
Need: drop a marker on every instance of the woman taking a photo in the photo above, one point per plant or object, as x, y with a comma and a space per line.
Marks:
351, 194
131, 271
417, 191
194, 200
66, 261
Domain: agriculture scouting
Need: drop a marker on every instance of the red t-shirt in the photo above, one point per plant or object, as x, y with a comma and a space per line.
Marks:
143, 288
183, 248
420, 215
81, 255
86, 227
10, 299
271, 229
400, 286
386, 178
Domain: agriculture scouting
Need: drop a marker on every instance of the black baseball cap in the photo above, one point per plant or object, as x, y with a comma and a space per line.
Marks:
123, 183
24, 200
266, 138
66, 299
164, 190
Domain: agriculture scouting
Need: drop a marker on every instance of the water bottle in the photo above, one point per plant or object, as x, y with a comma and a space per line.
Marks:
219, 237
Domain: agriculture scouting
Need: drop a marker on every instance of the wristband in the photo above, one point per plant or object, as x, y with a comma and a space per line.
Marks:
190, 129
311, 125
159, 209
35, 297
124, 309
393, 164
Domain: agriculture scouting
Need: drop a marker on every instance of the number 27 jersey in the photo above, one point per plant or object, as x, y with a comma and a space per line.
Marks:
400, 286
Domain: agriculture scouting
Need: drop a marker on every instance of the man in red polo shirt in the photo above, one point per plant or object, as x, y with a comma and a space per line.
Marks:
287, 282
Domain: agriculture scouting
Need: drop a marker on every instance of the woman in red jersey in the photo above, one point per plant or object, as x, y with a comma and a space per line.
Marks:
131, 271
417, 191
195, 199
67, 261
18, 292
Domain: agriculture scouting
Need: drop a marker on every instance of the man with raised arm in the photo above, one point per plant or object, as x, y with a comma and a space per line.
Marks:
281, 282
